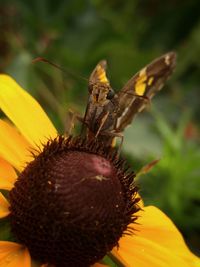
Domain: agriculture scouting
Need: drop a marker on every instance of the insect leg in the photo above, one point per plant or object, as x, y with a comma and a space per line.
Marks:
103, 120
70, 121
112, 142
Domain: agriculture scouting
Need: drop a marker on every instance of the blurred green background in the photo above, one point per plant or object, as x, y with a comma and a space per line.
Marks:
129, 34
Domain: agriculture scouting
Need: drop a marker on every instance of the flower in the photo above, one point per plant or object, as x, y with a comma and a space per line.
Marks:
155, 240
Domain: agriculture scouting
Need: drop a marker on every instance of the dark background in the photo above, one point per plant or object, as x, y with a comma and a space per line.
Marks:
129, 34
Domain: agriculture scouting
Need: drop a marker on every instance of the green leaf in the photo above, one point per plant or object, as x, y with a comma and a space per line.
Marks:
5, 230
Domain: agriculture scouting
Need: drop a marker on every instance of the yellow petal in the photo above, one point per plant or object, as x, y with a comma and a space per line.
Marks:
94, 265
156, 243
13, 146
25, 112
14, 255
8, 175
167, 233
140, 203
4, 206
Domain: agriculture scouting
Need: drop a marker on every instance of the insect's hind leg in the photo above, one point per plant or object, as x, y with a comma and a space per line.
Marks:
112, 141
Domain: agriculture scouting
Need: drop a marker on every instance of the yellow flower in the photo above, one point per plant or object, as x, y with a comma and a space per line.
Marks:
156, 241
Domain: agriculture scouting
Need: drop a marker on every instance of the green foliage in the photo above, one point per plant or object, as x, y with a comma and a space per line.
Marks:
173, 185
5, 231
109, 262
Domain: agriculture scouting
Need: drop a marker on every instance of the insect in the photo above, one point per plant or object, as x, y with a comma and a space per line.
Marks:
108, 113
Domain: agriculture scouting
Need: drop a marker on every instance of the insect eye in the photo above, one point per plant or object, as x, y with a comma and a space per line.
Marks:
110, 94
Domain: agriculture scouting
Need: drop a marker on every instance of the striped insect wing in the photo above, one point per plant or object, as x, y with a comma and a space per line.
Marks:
98, 115
97, 77
99, 74
139, 90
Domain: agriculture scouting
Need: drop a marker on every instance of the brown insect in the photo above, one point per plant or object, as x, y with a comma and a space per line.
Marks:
109, 113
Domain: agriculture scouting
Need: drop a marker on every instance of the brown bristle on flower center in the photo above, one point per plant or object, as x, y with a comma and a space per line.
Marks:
72, 203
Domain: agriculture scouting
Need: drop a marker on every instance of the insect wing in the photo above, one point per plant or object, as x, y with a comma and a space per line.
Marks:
99, 74
99, 87
136, 94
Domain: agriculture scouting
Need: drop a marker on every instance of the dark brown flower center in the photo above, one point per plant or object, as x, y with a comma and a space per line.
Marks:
72, 203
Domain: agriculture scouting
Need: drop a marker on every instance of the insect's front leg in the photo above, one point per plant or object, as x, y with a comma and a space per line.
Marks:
71, 117
102, 123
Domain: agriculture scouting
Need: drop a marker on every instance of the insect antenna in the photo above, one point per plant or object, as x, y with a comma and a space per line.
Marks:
64, 70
